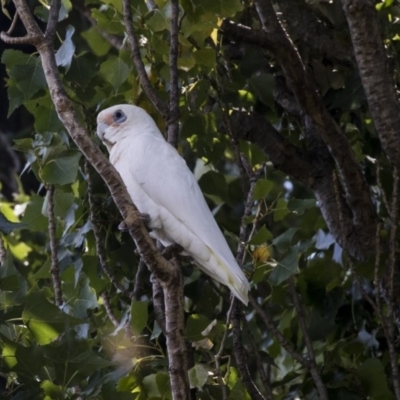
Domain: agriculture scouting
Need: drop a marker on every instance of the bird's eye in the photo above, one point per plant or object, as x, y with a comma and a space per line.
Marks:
119, 116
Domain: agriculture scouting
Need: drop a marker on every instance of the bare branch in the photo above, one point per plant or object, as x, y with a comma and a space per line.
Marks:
141, 275
54, 270
2, 251
275, 39
315, 170
137, 60
375, 73
175, 328
267, 319
13, 24
158, 303
109, 311
113, 40
27, 39
28, 20
394, 220
323, 394
263, 375
217, 357
173, 115
53, 19
307, 28
240, 356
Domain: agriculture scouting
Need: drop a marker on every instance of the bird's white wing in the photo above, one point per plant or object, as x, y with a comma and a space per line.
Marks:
184, 214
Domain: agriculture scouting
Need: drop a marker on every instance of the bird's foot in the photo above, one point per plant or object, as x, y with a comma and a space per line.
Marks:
123, 227
145, 218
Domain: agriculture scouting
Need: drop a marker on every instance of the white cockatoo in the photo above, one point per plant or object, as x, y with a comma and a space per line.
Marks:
162, 186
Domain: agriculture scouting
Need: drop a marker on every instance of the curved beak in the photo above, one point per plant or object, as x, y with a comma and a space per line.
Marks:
101, 128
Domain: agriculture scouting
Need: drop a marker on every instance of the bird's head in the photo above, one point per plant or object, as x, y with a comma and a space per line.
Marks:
118, 122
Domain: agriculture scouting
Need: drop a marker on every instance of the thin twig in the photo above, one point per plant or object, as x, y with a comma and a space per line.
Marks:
13, 24
265, 379
114, 40
137, 60
394, 214
360, 287
139, 280
2, 251
173, 115
323, 394
217, 357
240, 354
109, 311
54, 269
380, 186
100, 250
267, 319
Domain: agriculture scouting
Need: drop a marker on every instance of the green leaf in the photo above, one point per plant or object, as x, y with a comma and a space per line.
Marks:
72, 359
284, 241
15, 96
26, 71
196, 324
33, 214
262, 236
83, 69
263, 86
281, 210
45, 321
7, 226
97, 43
114, 71
139, 316
205, 57
299, 206
198, 376
262, 188
288, 266
373, 379
63, 169
214, 183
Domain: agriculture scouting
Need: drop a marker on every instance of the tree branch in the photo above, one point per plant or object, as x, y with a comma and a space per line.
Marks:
2, 251
239, 352
175, 328
315, 170
305, 26
140, 278
53, 19
275, 39
375, 73
158, 303
173, 114
266, 318
323, 394
54, 269
114, 40
138, 62
109, 311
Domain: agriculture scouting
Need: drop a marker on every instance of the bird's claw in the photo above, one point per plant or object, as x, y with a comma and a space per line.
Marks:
145, 218
122, 226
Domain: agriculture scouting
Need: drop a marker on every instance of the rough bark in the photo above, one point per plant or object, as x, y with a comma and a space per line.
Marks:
375, 73
314, 169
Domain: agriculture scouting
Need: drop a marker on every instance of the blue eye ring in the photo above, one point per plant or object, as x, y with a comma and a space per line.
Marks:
119, 116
